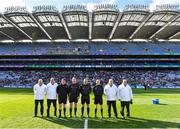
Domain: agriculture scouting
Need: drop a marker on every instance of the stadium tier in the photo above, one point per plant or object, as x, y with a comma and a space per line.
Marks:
91, 48
89, 55
76, 22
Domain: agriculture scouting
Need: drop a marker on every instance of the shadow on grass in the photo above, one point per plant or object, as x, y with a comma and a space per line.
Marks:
67, 122
132, 122
163, 104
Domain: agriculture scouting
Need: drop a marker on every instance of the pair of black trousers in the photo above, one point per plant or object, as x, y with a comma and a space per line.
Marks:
127, 105
36, 107
49, 101
113, 104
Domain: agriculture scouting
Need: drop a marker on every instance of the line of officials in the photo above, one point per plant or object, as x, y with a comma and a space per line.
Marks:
72, 92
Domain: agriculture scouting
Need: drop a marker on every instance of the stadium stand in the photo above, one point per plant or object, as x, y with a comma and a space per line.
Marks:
91, 48
137, 78
135, 43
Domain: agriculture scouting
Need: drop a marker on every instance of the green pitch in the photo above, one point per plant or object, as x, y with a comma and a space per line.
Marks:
16, 111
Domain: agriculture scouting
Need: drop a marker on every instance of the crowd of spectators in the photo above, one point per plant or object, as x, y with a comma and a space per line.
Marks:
136, 78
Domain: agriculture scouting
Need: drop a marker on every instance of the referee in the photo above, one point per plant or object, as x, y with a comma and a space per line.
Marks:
39, 93
98, 93
125, 96
51, 96
110, 90
74, 91
62, 91
85, 91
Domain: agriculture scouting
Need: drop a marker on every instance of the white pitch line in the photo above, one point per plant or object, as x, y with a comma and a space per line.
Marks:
86, 124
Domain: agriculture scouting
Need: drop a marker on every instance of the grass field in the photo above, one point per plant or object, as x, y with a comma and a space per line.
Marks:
16, 111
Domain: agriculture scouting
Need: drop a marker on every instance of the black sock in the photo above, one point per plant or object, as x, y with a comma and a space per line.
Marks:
95, 111
82, 111
101, 112
70, 110
47, 113
60, 112
75, 110
55, 113
64, 111
88, 110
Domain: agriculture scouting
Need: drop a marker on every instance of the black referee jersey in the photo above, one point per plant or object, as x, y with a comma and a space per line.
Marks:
74, 91
62, 91
98, 93
85, 92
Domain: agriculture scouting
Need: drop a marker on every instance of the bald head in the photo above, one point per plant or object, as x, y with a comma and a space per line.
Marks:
40, 82
52, 81
98, 82
110, 82
124, 82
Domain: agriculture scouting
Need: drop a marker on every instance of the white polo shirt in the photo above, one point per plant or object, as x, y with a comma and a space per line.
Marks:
124, 93
39, 91
51, 91
110, 92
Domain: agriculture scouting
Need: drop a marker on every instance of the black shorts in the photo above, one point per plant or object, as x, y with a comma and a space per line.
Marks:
98, 100
85, 99
62, 100
73, 99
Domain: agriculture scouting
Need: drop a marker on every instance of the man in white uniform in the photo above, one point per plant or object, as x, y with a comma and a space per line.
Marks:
51, 96
125, 96
39, 93
110, 90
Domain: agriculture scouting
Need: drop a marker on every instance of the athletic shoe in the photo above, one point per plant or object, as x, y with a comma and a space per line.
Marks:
122, 117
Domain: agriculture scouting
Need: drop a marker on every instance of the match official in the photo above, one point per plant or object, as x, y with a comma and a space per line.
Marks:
39, 93
51, 96
62, 91
74, 91
110, 90
125, 96
85, 91
98, 94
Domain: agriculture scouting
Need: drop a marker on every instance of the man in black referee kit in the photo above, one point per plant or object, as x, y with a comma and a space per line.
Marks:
74, 91
85, 96
98, 93
62, 91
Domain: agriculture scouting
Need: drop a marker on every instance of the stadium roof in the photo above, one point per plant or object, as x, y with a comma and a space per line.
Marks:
105, 21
